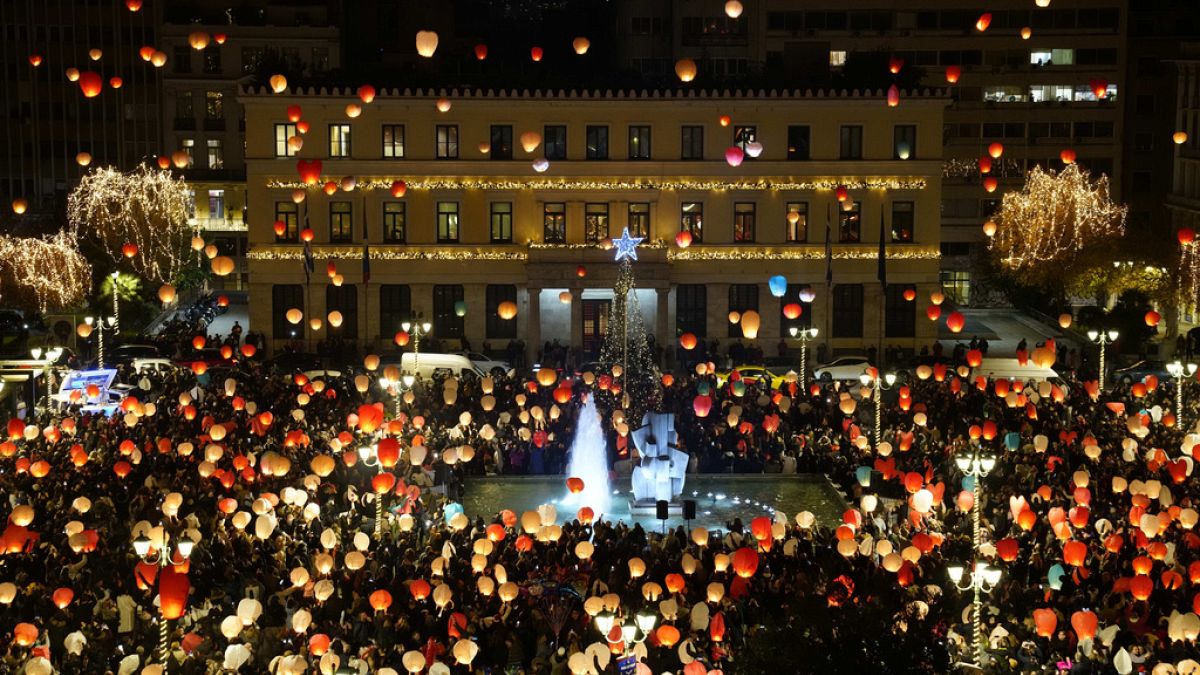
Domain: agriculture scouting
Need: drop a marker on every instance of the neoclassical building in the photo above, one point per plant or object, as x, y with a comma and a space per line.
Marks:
482, 220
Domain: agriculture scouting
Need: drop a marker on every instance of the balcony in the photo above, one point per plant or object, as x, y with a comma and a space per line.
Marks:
230, 224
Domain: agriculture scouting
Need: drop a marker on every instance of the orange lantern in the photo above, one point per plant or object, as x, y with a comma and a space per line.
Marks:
173, 589
687, 341
745, 562
381, 600
63, 597
575, 485
1045, 620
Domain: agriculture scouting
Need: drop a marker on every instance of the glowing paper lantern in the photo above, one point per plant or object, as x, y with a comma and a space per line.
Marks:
507, 310
685, 70
734, 156
427, 43
953, 73
90, 84
581, 45
982, 23
1179, 137
278, 83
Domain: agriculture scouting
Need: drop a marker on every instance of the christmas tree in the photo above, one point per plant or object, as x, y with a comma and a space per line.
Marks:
626, 345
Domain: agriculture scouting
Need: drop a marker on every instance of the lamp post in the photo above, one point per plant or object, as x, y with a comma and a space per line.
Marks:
395, 388
877, 386
977, 465
804, 335
116, 305
1177, 370
369, 456
416, 330
1102, 338
982, 580
160, 556
36, 353
642, 624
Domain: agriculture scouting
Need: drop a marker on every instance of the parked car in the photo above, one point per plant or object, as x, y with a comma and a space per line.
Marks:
126, 354
752, 375
154, 366
486, 363
842, 369
430, 363
1138, 372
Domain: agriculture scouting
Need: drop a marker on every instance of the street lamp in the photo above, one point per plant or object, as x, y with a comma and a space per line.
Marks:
982, 580
116, 302
416, 330
161, 557
369, 456
977, 465
1177, 369
804, 335
395, 388
642, 624
877, 385
1102, 338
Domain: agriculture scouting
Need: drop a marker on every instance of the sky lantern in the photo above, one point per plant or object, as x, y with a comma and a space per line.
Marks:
990, 184
701, 405
35, 60
278, 83
381, 600
443, 105
984, 20
1045, 621
792, 310
220, 38
985, 164
1179, 137
733, 9
895, 63
198, 40
955, 322
581, 45
294, 113
1152, 318
1067, 156
159, 58
535, 53
366, 93
90, 83
481, 51
1185, 235
399, 188
842, 193
116, 82
309, 170
734, 155
996, 150
574, 485
507, 310
1099, 88
893, 96
953, 73
685, 70
173, 590
750, 324
146, 52
63, 597
20, 205
133, 5
745, 562
687, 341
427, 43
683, 239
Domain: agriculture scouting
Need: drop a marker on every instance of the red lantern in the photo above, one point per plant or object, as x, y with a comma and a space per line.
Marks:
953, 73
1186, 235
63, 597
683, 239
1141, 586
198, 342
1075, 553
310, 170
581, 271
303, 126
955, 322
122, 469
1099, 88
318, 644
294, 113
974, 358
996, 150
90, 83
381, 600
419, 589
220, 38
280, 228
383, 483
675, 583
585, 515
575, 485
249, 350
1152, 318
222, 301
399, 188
369, 418
701, 405
25, 634
745, 562
366, 93
388, 452
173, 589
307, 234
1067, 156
895, 63
401, 338
842, 193
667, 635
115, 82
129, 249
910, 294
687, 341
985, 164
481, 51
990, 184
984, 20
934, 312
1046, 621
133, 5
1007, 549
1085, 623
760, 527
893, 96
535, 53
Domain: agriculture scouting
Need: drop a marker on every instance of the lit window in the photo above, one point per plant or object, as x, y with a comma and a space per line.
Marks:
837, 58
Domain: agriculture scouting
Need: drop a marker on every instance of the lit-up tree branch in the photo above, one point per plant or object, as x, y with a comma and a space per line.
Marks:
47, 273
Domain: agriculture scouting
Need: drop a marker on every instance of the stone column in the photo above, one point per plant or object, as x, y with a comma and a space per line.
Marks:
533, 325
663, 335
576, 318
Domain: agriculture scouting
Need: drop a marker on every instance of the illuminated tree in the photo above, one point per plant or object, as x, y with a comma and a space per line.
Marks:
1057, 227
627, 345
146, 208
47, 273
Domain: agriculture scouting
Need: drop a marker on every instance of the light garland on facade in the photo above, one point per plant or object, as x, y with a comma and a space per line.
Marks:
969, 168
1189, 275
46, 273
296, 252
1052, 218
540, 245
805, 253
146, 207
455, 183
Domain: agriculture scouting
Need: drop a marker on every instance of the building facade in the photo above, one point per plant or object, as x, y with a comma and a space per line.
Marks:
1035, 95
1184, 201
202, 115
478, 224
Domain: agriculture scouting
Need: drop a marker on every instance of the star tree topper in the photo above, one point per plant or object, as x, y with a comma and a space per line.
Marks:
627, 245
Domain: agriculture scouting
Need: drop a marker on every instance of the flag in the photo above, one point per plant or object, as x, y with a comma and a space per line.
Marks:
828, 246
366, 274
882, 272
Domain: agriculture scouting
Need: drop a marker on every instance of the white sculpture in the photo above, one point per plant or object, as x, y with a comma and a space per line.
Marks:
659, 475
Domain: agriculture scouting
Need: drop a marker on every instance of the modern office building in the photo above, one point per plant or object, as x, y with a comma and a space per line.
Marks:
1035, 95
485, 217
211, 53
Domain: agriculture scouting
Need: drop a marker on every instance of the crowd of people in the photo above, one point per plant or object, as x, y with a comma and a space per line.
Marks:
1088, 515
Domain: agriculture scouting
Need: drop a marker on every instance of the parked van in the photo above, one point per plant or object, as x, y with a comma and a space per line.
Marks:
430, 364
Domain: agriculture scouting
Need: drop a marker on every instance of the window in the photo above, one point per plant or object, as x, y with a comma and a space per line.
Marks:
639, 142
395, 222
343, 299
341, 226
847, 310
189, 147
554, 223
743, 222
903, 222
216, 153
1008, 93
744, 136
184, 108
639, 219
904, 141
597, 142
447, 141
284, 131
498, 328
252, 58
288, 213
691, 142
320, 59
792, 296
900, 315
957, 285
216, 204
214, 105
837, 58
742, 298
339, 140
851, 141
446, 322
595, 222
447, 222
501, 218
395, 307
1052, 57
283, 298
691, 220
212, 60
691, 309
797, 222
501, 147
554, 141
182, 60
798, 142
850, 223
393, 141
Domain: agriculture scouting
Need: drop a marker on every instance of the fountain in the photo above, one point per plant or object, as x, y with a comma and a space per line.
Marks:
589, 461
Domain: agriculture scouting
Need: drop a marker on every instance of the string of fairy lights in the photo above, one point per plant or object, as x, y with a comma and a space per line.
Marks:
1053, 217
139, 217
458, 183
517, 253
47, 272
